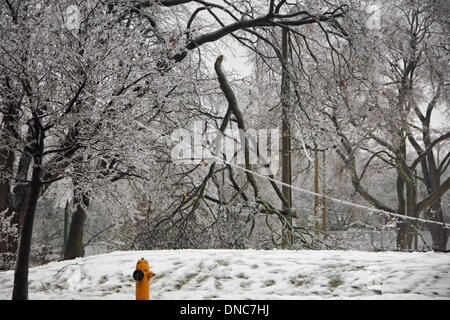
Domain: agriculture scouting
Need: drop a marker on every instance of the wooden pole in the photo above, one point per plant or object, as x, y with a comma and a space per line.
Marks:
324, 192
286, 139
316, 189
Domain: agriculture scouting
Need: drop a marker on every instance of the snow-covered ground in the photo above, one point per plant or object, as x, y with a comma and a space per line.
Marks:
244, 274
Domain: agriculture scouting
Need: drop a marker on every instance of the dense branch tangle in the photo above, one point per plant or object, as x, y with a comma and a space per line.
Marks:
232, 18
192, 200
414, 32
279, 14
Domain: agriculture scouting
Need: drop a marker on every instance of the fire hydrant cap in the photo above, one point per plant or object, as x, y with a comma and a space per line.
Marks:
138, 275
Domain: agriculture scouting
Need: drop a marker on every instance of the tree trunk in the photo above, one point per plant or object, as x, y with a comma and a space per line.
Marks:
4, 191
66, 226
401, 225
411, 199
20, 291
439, 234
439, 237
74, 247
407, 230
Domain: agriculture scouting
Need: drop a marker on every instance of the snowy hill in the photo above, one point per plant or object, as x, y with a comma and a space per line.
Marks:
244, 274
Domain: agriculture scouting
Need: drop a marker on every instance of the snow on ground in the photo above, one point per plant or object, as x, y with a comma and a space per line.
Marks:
244, 274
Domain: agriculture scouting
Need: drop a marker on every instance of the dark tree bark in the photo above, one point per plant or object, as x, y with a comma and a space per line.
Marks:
74, 247
20, 291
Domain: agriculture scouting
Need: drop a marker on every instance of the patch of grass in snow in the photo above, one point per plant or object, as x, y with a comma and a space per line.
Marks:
126, 278
335, 266
58, 286
218, 285
116, 288
48, 286
223, 277
406, 291
200, 280
185, 280
335, 282
178, 286
241, 275
276, 271
354, 268
376, 291
269, 283
222, 262
300, 280
103, 279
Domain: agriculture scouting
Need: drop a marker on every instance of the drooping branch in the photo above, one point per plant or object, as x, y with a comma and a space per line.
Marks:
349, 160
429, 148
232, 105
271, 19
436, 194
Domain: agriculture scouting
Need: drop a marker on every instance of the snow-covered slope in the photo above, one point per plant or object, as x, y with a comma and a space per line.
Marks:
244, 274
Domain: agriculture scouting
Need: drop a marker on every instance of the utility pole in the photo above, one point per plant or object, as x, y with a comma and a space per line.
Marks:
316, 190
286, 175
324, 192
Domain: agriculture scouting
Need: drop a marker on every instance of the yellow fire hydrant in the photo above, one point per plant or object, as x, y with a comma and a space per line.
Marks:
142, 275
